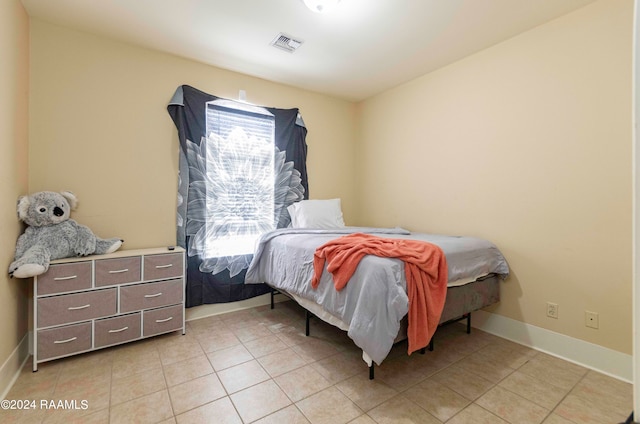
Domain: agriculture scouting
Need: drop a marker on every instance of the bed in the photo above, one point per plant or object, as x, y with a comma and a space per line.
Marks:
372, 306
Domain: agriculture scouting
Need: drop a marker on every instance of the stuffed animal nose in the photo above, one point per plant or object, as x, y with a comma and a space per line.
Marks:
58, 211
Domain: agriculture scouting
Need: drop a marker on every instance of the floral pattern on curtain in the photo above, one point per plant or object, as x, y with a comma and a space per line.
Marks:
221, 279
287, 188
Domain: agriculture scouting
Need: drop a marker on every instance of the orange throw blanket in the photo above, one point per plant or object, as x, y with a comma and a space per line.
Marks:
425, 270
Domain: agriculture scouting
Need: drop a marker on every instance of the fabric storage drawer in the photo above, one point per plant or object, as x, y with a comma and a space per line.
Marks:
157, 267
150, 295
162, 320
117, 271
64, 340
94, 302
61, 278
120, 329
76, 307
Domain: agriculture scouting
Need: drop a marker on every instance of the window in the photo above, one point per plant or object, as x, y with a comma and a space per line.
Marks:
240, 175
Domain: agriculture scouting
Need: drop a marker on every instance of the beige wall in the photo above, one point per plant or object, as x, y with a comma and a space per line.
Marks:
527, 143
14, 85
100, 128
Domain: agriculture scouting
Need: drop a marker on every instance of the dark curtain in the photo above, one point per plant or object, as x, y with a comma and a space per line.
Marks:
187, 109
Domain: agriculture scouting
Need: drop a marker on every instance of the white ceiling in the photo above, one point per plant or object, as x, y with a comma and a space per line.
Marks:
363, 48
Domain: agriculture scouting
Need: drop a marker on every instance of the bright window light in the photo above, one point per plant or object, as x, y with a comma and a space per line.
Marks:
240, 175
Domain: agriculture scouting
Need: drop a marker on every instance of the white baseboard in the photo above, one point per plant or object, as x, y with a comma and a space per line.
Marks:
204, 311
589, 355
10, 370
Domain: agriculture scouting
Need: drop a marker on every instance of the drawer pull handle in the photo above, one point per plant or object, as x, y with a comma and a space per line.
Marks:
65, 341
164, 266
118, 271
119, 330
164, 320
153, 295
75, 308
71, 277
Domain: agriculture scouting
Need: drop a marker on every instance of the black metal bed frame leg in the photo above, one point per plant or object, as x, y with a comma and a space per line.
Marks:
371, 367
273, 292
466, 316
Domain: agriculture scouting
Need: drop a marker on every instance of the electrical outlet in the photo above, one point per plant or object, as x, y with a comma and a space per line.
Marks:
552, 310
591, 319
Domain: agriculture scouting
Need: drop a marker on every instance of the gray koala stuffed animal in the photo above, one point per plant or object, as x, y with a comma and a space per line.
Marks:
52, 235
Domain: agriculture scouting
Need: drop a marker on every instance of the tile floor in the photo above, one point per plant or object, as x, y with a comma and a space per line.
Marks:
257, 366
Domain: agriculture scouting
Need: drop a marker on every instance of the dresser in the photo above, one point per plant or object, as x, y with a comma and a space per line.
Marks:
84, 304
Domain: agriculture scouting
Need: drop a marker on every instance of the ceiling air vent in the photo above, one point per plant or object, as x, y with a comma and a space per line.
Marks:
286, 43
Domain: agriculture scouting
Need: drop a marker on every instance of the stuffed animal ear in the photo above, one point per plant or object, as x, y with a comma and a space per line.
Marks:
23, 207
71, 198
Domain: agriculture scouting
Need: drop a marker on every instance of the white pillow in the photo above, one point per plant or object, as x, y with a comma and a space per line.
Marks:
324, 214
